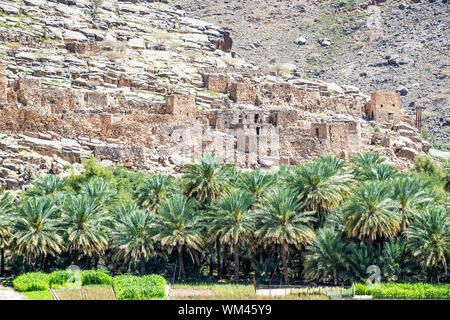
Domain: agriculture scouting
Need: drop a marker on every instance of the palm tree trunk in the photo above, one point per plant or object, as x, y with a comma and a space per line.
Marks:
42, 262
96, 262
2, 261
180, 257
142, 266
46, 258
335, 277
236, 262
284, 252
211, 266
219, 266
225, 259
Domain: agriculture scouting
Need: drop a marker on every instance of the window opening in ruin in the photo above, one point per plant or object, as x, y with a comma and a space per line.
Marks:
256, 118
381, 106
257, 131
372, 116
317, 132
391, 116
240, 118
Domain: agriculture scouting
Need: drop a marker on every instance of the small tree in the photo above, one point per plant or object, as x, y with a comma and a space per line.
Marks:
161, 39
14, 47
279, 69
95, 5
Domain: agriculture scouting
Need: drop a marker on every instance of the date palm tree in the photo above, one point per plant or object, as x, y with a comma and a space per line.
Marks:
362, 162
206, 179
177, 226
132, 235
100, 190
325, 258
428, 237
256, 183
370, 213
396, 262
232, 221
359, 256
282, 222
85, 224
36, 230
6, 205
153, 191
49, 185
379, 172
322, 184
411, 194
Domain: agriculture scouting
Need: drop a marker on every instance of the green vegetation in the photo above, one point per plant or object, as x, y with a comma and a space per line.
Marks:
95, 285
39, 295
405, 291
95, 277
35, 281
326, 221
129, 287
58, 277
95, 5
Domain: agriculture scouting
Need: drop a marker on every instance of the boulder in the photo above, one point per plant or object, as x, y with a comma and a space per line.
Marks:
70, 35
402, 90
325, 42
300, 41
407, 153
136, 43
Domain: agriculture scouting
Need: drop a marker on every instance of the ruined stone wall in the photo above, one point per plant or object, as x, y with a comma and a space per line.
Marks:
3, 97
181, 107
311, 98
243, 92
384, 107
215, 82
283, 118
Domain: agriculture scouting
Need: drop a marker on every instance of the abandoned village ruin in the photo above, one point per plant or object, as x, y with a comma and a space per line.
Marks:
154, 115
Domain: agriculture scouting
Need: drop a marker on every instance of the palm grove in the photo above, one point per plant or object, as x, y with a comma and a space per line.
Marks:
324, 221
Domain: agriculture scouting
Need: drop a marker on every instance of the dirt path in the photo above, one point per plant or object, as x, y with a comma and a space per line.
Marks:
10, 294
190, 292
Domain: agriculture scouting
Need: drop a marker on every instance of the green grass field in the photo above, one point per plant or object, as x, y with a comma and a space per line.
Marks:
38, 295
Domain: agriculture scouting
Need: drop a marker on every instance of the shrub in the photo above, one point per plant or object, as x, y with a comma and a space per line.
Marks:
95, 277
279, 69
129, 287
32, 281
405, 291
426, 165
95, 5
93, 169
161, 39
58, 277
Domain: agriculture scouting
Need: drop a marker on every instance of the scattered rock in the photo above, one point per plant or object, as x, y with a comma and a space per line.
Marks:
300, 41
402, 90
325, 42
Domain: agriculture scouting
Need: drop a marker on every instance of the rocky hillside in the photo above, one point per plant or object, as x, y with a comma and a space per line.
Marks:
147, 86
393, 45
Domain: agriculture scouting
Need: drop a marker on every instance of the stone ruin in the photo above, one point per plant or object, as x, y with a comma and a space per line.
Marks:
264, 125
384, 107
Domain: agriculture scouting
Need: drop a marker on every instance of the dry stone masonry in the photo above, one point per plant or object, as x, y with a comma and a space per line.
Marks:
144, 86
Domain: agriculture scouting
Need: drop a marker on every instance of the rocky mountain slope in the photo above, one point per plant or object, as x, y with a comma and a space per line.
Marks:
148, 87
393, 45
